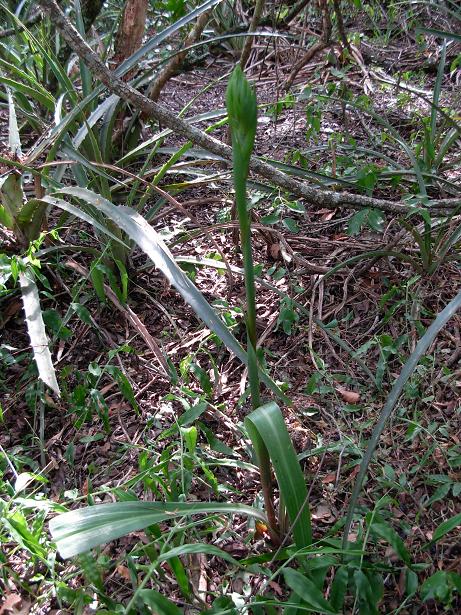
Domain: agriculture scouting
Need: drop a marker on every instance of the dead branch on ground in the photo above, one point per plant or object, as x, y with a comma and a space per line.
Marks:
315, 196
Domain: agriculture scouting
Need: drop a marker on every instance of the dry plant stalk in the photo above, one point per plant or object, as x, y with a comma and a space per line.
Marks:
165, 75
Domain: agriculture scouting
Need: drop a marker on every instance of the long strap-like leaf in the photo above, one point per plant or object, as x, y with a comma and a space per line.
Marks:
36, 329
267, 424
394, 395
80, 530
138, 229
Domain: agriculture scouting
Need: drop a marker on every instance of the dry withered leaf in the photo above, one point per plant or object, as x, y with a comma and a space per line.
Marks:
350, 397
322, 513
274, 250
10, 604
123, 572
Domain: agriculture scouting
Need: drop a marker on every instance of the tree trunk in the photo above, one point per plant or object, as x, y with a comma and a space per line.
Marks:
131, 30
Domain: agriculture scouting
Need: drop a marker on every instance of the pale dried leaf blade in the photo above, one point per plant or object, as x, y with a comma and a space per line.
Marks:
14, 140
36, 329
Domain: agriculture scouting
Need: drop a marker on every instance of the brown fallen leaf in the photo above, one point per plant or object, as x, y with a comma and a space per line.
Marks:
123, 572
10, 604
328, 215
274, 250
352, 474
350, 397
276, 587
321, 513
329, 478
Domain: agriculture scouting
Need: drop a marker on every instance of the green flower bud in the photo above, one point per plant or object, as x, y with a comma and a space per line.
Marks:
242, 112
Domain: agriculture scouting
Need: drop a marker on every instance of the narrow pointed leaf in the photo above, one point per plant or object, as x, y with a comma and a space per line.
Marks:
307, 591
138, 229
444, 528
14, 140
157, 602
407, 370
12, 198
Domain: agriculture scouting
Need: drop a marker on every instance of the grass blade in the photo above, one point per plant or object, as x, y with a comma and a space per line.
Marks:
408, 369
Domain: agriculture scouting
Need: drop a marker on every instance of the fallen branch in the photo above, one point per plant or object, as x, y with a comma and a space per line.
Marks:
315, 196
172, 66
322, 43
257, 14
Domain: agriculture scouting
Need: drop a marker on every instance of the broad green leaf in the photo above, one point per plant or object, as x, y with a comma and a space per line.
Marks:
267, 422
190, 437
365, 593
136, 227
390, 535
36, 330
339, 587
357, 221
159, 604
411, 582
445, 528
291, 225
307, 591
97, 278
80, 530
436, 587
223, 604
270, 219
375, 220
12, 198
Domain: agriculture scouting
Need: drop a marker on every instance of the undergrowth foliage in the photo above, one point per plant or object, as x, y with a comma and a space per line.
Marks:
287, 448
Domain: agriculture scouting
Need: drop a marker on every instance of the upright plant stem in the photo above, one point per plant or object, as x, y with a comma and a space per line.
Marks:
245, 239
241, 107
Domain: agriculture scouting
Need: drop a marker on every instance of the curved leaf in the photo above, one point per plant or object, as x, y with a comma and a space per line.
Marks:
80, 530
138, 229
408, 369
36, 329
267, 423
444, 528
307, 591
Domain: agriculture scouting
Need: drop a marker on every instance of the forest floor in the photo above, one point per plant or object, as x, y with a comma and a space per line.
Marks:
96, 442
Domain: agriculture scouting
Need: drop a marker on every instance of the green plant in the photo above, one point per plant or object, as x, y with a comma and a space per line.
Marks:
266, 421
